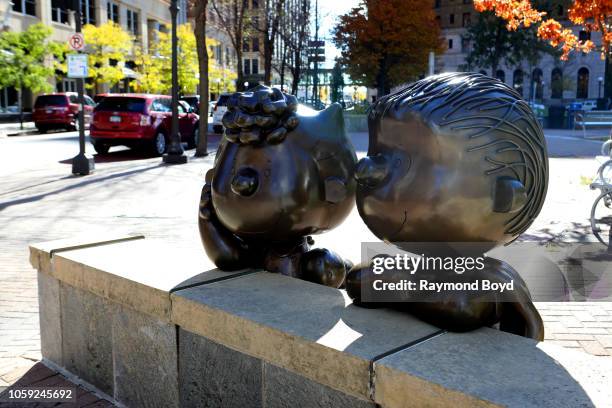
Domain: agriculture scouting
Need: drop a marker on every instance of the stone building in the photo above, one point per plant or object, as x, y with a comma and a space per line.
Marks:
142, 18
551, 81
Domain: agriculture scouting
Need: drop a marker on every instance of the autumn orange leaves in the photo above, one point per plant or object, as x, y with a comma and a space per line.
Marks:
593, 15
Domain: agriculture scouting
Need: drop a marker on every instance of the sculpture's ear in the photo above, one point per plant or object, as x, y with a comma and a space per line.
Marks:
335, 190
509, 195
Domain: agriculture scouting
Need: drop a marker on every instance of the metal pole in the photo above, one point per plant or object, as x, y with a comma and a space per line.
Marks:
176, 154
81, 163
315, 77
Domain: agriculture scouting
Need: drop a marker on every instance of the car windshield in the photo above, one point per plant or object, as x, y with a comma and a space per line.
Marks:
222, 100
121, 104
50, 100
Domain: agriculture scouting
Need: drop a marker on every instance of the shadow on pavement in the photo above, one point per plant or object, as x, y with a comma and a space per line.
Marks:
36, 197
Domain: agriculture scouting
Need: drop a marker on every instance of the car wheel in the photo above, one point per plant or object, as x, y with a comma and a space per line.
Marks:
159, 143
218, 128
195, 139
101, 148
42, 129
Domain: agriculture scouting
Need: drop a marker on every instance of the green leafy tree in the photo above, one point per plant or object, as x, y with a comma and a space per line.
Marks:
385, 43
28, 60
108, 47
491, 44
337, 83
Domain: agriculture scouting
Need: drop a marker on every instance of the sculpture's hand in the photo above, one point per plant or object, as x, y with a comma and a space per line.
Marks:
260, 115
225, 249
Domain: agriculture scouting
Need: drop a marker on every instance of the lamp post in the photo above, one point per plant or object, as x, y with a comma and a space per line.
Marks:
82, 164
176, 154
600, 81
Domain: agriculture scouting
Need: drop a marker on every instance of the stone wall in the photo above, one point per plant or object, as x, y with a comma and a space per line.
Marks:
160, 332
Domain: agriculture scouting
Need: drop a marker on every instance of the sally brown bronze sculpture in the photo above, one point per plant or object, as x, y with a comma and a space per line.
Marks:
278, 178
454, 158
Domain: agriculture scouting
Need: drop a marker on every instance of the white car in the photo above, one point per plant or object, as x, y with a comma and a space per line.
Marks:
589, 105
218, 112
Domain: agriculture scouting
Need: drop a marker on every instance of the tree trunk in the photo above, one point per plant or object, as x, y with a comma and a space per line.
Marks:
200, 35
381, 80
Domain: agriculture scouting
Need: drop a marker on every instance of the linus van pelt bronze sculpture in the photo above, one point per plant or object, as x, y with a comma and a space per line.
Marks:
452, 158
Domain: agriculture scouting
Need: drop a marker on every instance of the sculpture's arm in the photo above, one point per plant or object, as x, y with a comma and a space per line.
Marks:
224, 248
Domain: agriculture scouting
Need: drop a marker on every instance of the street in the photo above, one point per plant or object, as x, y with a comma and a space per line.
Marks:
130, 192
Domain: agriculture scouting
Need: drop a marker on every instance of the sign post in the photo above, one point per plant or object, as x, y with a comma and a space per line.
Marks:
77, 68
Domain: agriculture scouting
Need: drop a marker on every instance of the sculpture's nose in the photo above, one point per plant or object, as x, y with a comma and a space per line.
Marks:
245, 182
371, 170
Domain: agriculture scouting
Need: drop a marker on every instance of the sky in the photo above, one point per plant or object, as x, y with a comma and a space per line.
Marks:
329, 10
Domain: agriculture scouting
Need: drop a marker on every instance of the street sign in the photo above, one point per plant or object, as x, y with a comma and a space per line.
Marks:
319, 43
77, 66
318, 58
77, 41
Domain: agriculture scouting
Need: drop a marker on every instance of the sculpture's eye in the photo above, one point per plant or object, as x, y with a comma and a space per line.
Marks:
245, 182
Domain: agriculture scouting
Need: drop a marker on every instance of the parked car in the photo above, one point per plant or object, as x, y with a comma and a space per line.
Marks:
140, 121
60, 111
193, 101
585, 106
219, 111
98, 97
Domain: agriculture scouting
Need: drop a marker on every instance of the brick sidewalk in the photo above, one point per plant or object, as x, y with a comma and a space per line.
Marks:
160, 201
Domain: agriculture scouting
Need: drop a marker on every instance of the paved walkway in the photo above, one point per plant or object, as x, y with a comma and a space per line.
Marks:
41, 201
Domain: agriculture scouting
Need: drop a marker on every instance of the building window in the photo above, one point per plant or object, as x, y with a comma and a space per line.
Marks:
537, 84
560, 10
451, 19
467, 1
256, 44
245, 4
255, 66
25, 6
245, 45
112, 12
556, 83
450, 43
132, 21
437, 4
517, 81
247, 67
501, 75
227, 56
467, 19
582, 90
255, 21
255, 4
8, 100
584, 36
88, 11
465, 45
59, 12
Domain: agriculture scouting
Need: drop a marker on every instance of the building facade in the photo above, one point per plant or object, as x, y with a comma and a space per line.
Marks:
141, 18
550, 81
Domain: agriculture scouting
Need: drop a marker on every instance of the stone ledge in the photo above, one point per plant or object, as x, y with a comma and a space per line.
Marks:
306, 328
487, 368
131, 271
293, 330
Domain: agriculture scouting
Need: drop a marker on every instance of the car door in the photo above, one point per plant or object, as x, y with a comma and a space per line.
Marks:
185, 121
88, 108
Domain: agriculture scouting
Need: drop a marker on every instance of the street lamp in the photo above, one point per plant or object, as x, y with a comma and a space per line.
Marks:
175, 154
600, 81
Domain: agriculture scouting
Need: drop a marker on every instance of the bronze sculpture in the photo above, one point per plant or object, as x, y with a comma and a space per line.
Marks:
278, 177
455, 158
452, 158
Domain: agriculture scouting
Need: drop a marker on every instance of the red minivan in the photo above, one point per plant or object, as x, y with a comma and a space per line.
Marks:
140, 121
60, 111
